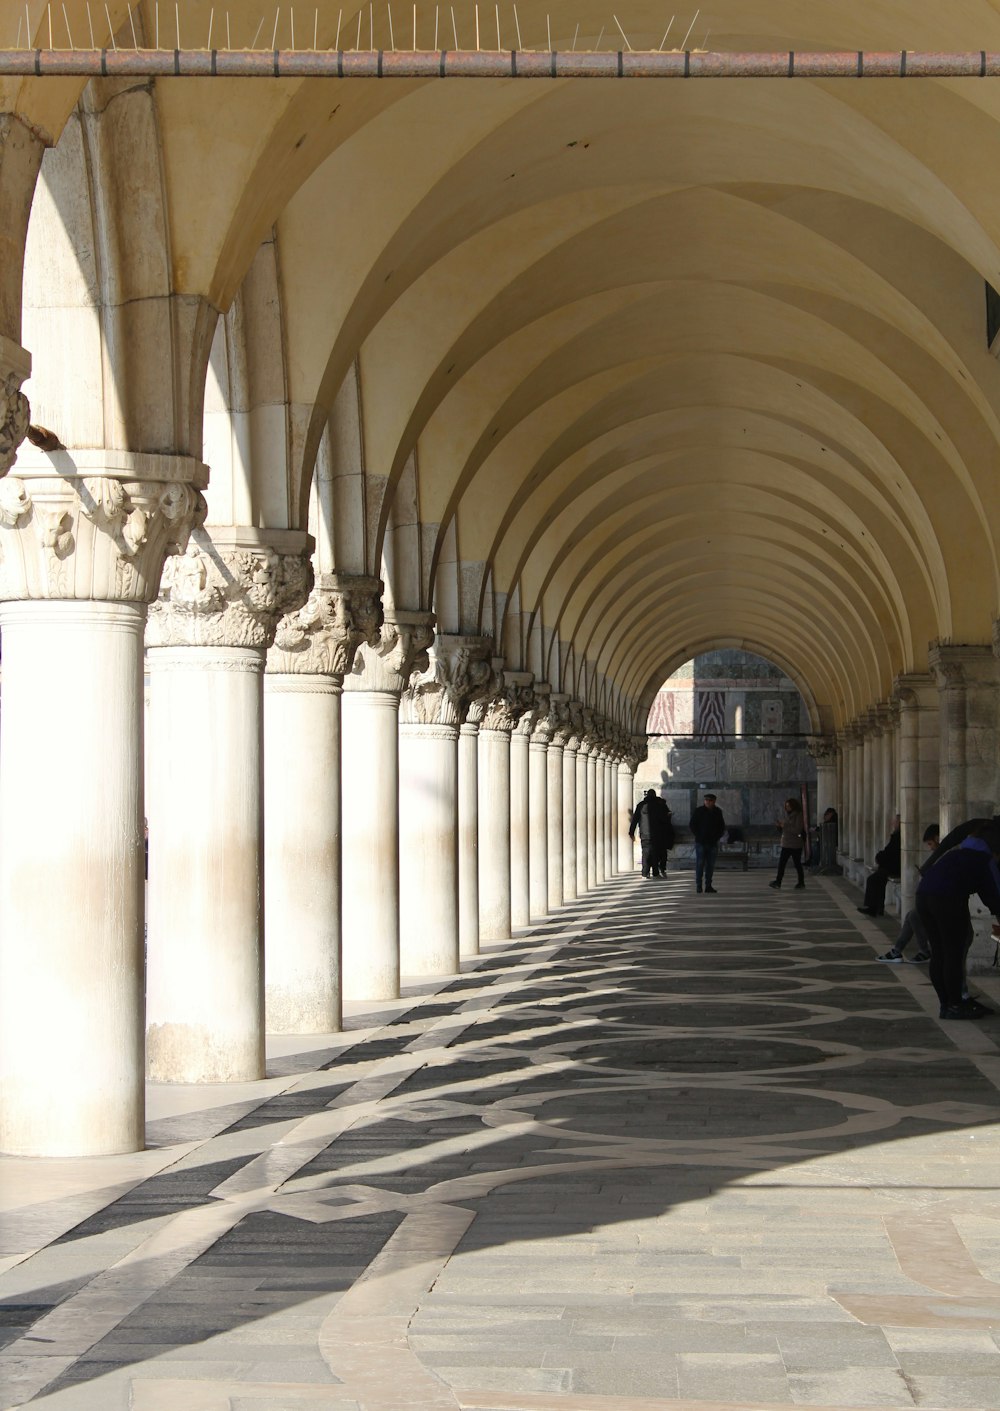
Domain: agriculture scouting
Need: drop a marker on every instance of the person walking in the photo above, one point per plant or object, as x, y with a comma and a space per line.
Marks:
707, 827
943, 909
647, 819
888, 863
793, 834
664, 836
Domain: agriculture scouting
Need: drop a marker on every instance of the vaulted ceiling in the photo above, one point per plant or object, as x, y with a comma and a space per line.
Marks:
642, 367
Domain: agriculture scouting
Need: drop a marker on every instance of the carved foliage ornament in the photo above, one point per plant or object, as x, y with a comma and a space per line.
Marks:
15, 415
322, 637
226, 598
507, 707
386, 663
100, 538
457, 673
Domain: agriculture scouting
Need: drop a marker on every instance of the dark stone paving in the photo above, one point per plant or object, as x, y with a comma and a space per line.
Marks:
702, 1150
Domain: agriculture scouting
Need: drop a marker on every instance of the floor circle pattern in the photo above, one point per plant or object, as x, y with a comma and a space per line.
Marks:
663, 1153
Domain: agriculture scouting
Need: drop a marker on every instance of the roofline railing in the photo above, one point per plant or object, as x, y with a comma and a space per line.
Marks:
503, 63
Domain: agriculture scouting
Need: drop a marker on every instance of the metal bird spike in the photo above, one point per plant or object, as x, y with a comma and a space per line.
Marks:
691, 26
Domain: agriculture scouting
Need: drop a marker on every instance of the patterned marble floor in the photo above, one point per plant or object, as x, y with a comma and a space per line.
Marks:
666, 1152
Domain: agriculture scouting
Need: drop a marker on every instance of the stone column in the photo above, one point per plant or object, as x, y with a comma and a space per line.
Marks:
610, 804
967, 679
83, 538
917, 696
303, 681
823, 750
858, 796
601, 812
432, 709
206, 640
626, 788
868, 800
371, 803
520, 888
495, 815
468, 830
592, 812
538, 808
571, 755
582, 811
559, 719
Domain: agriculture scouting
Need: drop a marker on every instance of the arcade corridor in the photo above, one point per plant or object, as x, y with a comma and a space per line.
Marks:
661, 1152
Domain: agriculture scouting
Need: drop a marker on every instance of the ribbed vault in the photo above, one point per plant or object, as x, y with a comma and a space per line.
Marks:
652, 366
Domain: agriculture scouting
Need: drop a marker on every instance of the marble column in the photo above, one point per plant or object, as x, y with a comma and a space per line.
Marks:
917, 697
81, 554
823, 750
626, 788
967, 679
432, 709
502, 712
870, 840
559, 719
582, 813
601, 813
303, 682
538, 808
611, 809
520, 814
206, 640
592, 812
468, 830
371, 802
571, 755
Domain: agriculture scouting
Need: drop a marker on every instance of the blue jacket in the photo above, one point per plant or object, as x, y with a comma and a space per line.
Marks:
960, 872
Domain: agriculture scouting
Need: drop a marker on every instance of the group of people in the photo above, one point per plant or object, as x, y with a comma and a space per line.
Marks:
652, 821
964, 863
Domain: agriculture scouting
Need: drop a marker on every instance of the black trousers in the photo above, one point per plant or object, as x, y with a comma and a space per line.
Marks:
875, 891
949, 933
796, 855
649, 856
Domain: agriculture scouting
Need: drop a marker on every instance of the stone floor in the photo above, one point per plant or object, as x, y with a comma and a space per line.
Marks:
666, 1152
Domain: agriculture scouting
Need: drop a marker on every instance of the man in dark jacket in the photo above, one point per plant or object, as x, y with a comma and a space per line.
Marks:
943, 908
888, 863
707, 827
665, 835
647, 819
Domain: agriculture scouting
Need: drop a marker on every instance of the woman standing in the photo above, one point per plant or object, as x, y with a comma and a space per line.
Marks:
793, 832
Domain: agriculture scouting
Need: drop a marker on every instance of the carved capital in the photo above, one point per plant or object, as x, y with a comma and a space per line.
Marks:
399, 649
958, 666
459, 670
510, 699
561, 719
321, 638
230, 588
15, 413
543, 726
822, 748
532, 704
640, 748
95, 526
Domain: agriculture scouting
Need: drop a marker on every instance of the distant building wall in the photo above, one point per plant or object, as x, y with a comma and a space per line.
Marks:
732, 724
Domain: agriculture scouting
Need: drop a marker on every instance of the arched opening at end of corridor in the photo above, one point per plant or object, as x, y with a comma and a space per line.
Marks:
731, 723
